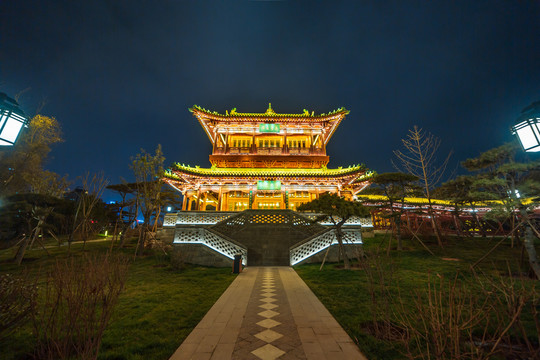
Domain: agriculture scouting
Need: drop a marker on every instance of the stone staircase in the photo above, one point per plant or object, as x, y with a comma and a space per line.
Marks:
268, 234
262, 237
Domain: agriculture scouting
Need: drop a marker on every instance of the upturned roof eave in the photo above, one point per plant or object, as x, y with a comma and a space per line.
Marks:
270, 117
265, 172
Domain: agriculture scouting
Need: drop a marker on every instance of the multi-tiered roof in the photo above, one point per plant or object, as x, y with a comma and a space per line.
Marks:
289, 149
269, 139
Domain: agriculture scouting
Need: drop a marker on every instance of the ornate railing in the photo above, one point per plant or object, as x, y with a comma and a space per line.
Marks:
214, 217
322, 241
289, 218
352, 221
169, 220
201, 217
219, 243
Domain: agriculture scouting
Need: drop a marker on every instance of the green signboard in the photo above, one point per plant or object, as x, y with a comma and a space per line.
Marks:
269, 128
269, 185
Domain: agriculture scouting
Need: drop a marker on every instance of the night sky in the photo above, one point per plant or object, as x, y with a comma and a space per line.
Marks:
121, 75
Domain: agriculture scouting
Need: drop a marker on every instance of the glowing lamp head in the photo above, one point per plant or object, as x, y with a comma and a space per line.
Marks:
12, 120
527, 127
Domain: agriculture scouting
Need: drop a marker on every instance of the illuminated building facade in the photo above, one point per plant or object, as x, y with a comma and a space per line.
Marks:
265, 161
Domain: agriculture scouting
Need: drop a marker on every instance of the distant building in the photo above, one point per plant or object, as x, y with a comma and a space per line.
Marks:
265, 161
75, 194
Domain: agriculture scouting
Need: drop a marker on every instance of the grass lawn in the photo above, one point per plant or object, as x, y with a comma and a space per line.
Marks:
346, 293
156, 311
160, 306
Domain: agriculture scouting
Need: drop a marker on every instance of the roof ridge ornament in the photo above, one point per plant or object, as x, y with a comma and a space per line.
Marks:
306, 115
270, 111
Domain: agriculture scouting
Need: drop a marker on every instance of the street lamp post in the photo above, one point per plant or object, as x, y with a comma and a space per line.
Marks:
12, 120
527, 127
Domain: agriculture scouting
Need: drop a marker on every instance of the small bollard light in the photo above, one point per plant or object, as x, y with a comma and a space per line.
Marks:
237, 264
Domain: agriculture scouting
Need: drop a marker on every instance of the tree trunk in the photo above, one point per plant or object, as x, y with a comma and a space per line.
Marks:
339, 236
390, 241
419, 240
325, 255
436, 228
398, 232
457, 223
75, 226
22, 250
140, 243
516, 234
123, 231
478, 222
528, 243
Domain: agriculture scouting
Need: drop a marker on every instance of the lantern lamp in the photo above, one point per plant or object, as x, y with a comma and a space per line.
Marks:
12, 120
527, 127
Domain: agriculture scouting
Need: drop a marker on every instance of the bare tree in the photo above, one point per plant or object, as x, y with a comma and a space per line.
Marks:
148, 170
395, 187
93, 187
419, 158
76, 303
124, 189
31, 212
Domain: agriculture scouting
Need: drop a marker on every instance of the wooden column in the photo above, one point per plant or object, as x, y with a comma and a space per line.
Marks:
184, 202
204, 202
253, 149
198, 207
225, 201
218, 206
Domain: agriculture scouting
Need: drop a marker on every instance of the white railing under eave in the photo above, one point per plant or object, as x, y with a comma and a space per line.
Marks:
169, 220
195, 218
352, 221
213, 217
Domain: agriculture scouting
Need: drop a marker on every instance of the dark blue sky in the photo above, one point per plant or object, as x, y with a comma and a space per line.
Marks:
120, 75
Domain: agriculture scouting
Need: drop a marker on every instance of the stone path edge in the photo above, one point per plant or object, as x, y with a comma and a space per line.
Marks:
214, 338
217, 332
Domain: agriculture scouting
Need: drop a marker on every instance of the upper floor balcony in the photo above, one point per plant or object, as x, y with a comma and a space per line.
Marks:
255, 150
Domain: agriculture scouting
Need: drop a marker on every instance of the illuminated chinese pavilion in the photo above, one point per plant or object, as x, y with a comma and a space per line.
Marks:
265, 161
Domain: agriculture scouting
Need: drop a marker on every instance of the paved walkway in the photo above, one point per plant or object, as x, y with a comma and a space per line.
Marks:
268, 313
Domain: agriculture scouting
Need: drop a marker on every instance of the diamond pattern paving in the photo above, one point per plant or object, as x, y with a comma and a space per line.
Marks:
268, 335
268, 306
268, 323
268, 313
268, 352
